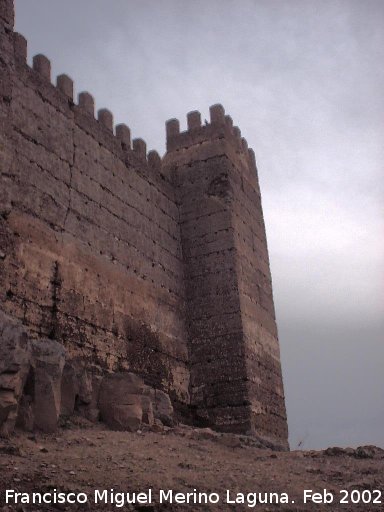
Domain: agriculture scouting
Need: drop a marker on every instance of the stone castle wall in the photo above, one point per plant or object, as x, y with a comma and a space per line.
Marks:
236, 379
89, 232
133, 262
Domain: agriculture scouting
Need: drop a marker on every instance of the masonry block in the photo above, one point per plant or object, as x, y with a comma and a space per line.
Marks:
65, 84
140, 148
123, 133
20, 46
87, 102
105, 117
217, 114
194, 120
154, 160
42, 65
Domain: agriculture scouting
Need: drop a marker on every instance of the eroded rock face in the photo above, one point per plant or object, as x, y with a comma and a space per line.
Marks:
37, 385
80, 391
15, 358
30, 379
69, 390
125, 403
162, 406
48, 363
121, 401
127, 416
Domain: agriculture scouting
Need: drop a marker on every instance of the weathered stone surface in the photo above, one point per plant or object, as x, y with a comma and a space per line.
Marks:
80, 392
69, 390
48, 364
15, 358
88, 394
121, 401
147, 407
131, 263
125, 402
162, 406
25, 414
235, 381
126, 417
7, 12
116, 386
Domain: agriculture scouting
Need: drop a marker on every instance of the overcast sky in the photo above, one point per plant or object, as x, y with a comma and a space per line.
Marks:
304, 80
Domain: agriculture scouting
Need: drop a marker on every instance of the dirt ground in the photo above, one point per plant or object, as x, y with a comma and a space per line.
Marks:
82, 458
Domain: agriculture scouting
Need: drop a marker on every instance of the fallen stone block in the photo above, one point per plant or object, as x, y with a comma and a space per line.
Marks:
127, 416
122, 403
162, 406
69, 390
48, 364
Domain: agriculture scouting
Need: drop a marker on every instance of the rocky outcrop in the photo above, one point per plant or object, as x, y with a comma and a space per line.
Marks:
125, 403
15, 359
38, 385
122, 403
30, 379
80, 391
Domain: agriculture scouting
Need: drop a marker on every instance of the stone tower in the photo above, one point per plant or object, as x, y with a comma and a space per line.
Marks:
235, 374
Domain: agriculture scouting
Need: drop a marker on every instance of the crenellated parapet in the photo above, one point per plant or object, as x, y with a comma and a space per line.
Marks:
120, 135
182, 145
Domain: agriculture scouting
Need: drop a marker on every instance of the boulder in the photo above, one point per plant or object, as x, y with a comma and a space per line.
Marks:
121, 401
125, 402
15, 358
126, 417
162, 406
117, 385
368, 452
48, 363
